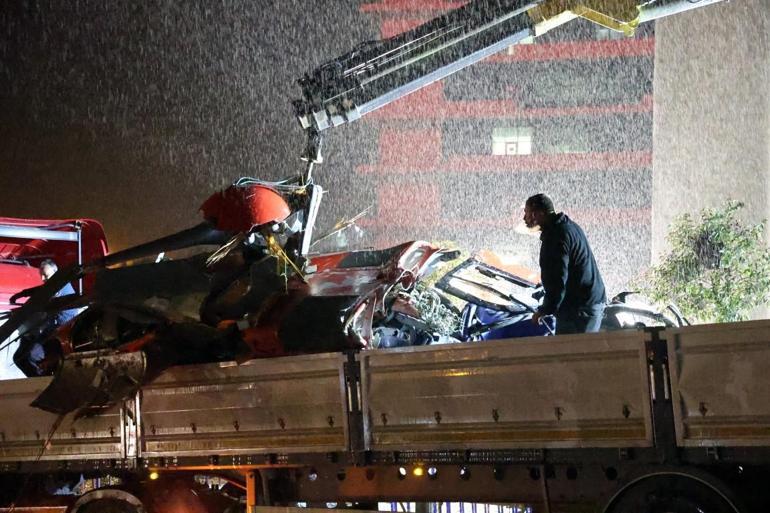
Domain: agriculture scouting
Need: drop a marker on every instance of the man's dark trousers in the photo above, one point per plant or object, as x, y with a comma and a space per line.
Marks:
584, 320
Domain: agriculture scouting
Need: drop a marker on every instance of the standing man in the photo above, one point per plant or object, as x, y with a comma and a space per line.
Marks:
574, 290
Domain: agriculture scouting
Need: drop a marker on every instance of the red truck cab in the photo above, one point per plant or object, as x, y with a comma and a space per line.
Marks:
24, 243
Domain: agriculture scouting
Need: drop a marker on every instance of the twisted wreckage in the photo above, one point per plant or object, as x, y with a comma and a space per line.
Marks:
258, 294
253, 290
261, 292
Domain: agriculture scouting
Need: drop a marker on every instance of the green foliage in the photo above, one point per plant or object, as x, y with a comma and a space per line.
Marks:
437, 315
444, 267
718, 269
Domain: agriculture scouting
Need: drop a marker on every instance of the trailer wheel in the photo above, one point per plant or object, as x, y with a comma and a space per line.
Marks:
671, 493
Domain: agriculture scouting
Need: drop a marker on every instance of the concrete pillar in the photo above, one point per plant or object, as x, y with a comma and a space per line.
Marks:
711, 133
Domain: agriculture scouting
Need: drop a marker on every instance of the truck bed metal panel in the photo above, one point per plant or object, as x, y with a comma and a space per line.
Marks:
720, 383
571, 391
24, 430
278, 405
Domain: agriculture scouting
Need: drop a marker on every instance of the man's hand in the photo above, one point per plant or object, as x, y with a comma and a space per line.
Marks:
536, 318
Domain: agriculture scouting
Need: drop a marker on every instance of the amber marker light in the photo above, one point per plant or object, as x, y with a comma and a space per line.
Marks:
418, 471
154, 475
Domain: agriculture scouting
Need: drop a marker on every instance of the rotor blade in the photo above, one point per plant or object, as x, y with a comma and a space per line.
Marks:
204, 233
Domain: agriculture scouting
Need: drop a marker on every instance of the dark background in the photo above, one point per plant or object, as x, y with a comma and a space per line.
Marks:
133, 114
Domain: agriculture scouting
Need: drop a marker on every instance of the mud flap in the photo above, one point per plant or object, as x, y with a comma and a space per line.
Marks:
91, 380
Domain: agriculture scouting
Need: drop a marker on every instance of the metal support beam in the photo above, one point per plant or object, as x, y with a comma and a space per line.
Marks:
352, 371
252, 481
662, 406
30, 232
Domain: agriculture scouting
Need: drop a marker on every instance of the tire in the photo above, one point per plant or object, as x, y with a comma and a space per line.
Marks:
671, 493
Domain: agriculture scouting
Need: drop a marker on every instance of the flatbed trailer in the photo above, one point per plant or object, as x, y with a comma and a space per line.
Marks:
617, 421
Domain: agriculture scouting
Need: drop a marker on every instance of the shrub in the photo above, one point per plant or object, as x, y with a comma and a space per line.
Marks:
718, 269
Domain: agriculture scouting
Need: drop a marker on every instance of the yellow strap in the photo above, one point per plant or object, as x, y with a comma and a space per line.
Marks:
277, 250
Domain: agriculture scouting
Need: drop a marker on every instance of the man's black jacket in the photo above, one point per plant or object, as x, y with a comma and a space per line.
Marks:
567, 268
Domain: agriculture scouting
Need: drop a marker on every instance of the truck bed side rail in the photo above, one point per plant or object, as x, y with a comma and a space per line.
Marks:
29, 434
570, 391
720, 383
277, 405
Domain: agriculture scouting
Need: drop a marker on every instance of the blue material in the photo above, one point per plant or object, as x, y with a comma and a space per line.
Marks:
518, 329
66, 316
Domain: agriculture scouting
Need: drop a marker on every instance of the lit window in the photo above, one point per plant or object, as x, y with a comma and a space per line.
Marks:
512, 141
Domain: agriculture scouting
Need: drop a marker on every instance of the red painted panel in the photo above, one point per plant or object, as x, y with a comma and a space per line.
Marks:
15, 277
394, 26
396, 205
571, 50
409, 5
421, 104
410, 149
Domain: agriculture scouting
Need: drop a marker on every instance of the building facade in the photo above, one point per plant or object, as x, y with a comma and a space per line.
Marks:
568, 114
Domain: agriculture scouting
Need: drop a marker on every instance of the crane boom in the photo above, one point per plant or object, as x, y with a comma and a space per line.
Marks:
377, 73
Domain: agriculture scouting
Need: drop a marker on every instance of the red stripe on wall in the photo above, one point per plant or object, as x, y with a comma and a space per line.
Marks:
396, 205
571, 50
409, 6
410, 149
394, 26
627, 160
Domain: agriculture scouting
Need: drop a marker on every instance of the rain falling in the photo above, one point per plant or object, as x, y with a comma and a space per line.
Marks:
133, 114
262, 370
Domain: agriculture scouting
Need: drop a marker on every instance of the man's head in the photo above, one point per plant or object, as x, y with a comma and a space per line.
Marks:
537, 209
47, 269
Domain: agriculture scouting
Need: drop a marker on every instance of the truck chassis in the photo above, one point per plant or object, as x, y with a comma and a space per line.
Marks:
676, 418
